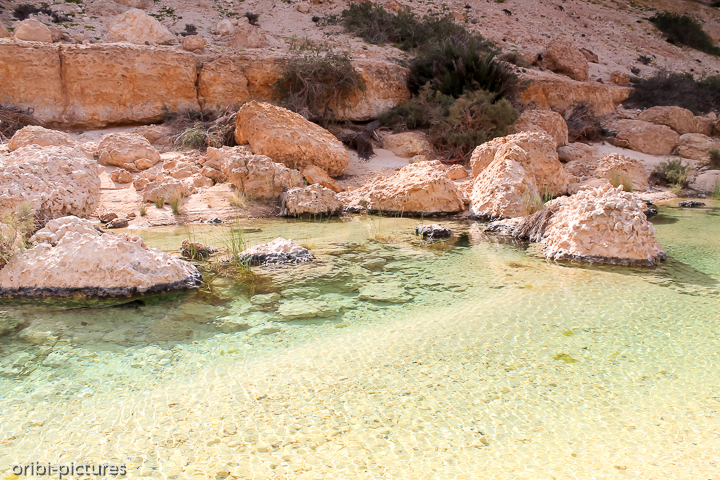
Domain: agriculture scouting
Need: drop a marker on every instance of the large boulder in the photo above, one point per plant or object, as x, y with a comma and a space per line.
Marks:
165, 190
193, 43
602, 225
120, 149
616, 167
562, 56
707, 182
257, 176
57, 181
679, 119
578, 151
313, 200
136, 26
70, 258
545, 121
408, 144
33, 31
288, 138
42, 137
416, 188
696, 146
507, 187
644, 136
547, 171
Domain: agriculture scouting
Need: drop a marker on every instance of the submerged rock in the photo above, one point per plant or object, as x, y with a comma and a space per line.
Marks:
602, 225
432, 231
278, 252
70, 257
117, 223
385, 292
691, 204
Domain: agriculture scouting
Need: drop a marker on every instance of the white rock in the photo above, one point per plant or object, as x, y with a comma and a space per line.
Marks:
136, 26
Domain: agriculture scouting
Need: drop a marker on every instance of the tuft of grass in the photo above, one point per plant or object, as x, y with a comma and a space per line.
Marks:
684, 30
143, 209
716, 191
160, 202
619, 178
316, 80
673, 173
533, 203
16, 226
237, 200
175, 202
714, 158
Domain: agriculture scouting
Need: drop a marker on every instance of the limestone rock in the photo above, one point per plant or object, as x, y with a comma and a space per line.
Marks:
507, 187
548, 173
408, 144
562, 56
57, 181
225, 27
705, 124
42, 137
165, 190
591, 56
117, 149
72, 258
3, 32
278, 252
546, 121
193, 43
616, 166
690, 204
33, 31
155, 134
432, 231
316, 175
644, 136
249, 36
696, 146
314, 200
136, 26
288, 138
578, 151
121, 176
108, 217
619, 77
602, 225
456, 172
677, 118
117, 223
707, 182
416, 188
257, 176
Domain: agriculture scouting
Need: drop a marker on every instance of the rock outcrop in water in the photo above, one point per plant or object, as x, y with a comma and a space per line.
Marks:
416, 188
602, 225
70, 257
57, 181
278, 252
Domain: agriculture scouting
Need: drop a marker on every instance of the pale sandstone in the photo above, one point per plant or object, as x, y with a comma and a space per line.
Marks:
225, 27
507, 187
136, 26
589, 55
248, 36
416, 188
546, 121
314, 200
707, 182
602, 225
578, 151
42, 137
408, 144
551, 92
117, 149
155, 134
32, 30
193, 43
456, 172
562, 56
57, 181
644, 136
705, 124
696, 146
165, 190
257, 176
121, 176
288, 138
316, 175
73, 258
618, 166
677, 118
547, 171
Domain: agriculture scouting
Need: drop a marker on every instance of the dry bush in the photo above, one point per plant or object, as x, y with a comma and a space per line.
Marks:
16, 226
13, 119
582, 123
202, 129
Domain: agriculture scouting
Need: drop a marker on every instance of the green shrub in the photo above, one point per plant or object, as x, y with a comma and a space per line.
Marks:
456, 126
317, 80
676, 89
16, 226
673, 173
175, 201
684, 30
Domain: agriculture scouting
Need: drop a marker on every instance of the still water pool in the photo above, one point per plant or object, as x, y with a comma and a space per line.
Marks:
385, 359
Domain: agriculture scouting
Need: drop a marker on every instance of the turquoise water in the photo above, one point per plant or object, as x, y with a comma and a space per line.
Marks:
386, 359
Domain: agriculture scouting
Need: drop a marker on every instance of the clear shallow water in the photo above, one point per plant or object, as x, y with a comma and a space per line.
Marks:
496, 363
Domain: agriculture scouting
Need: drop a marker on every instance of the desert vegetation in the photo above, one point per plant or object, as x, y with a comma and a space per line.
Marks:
676, 89
684, 30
